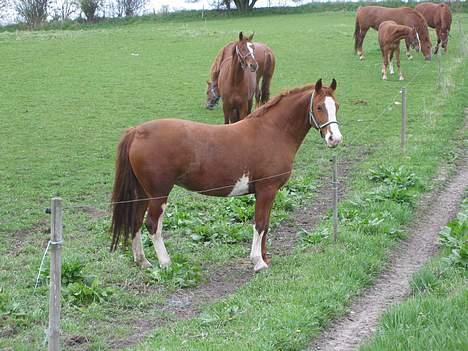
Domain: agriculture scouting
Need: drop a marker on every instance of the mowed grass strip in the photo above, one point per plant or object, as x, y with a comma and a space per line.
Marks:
60, 138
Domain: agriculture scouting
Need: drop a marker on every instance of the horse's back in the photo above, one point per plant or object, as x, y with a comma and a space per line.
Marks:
373, 16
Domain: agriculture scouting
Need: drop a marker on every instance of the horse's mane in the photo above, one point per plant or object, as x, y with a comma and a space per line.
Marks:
273, 102
216, 66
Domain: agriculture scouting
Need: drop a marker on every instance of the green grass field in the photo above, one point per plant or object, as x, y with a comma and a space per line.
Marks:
66, 97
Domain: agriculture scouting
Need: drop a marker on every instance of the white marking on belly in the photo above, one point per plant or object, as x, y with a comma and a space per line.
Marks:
241, 187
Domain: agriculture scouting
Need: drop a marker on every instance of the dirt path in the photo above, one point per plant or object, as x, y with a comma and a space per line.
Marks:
392, 287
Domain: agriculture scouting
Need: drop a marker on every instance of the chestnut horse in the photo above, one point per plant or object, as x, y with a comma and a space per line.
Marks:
439, 17
266, 67
371, 17
237, 80
390, 35
254, 156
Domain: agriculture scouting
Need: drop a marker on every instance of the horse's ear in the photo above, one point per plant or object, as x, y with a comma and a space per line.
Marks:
318, 86
241, 36
251, 36
333, 84
208, 82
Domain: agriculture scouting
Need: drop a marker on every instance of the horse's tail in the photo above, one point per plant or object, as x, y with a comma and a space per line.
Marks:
126, 189
357, 29
266, 80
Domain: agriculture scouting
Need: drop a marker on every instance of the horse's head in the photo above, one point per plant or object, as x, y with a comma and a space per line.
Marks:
212, 95
322, 113
245, 51
425, 44
413, 39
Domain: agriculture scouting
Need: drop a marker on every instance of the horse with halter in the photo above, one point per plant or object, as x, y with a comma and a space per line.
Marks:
390, 35
439, 17
254, 156
237, 80
266, 67
372, 16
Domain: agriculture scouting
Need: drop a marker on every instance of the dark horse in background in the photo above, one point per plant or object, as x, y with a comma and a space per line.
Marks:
372, 16
439, 17
253, 156
266, 67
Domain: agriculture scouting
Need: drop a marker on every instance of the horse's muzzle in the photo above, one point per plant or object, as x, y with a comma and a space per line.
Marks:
428, 58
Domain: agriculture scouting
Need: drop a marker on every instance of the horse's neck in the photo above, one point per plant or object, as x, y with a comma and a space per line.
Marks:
237, 73
290, 117
399, 33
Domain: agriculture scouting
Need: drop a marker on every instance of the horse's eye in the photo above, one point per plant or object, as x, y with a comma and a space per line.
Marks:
320, 108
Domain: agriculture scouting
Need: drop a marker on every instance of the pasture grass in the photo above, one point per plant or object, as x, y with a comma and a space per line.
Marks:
434, 317
66, 98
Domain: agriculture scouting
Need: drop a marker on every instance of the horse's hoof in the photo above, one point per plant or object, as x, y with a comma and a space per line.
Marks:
361, 57
410, 57
260, 266
401, 78
384, 78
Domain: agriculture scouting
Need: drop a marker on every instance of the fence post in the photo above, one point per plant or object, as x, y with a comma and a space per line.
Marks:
335, 199
403, 120
56, 227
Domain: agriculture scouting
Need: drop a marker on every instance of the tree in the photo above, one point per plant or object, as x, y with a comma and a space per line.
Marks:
34, 12
245, 5
130, 7
63, 9
3, 6
89, 8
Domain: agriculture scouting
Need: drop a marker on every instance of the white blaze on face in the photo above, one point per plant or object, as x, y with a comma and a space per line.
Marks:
241, 187
250, 47
333, 136
256, 251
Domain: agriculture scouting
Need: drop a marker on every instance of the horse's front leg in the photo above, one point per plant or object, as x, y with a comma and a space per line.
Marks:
408, 49
436, 50
263, 204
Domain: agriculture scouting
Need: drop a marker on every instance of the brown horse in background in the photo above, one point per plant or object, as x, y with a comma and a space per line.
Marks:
439, 17
390, 35
253, 156
266, 67
372, 16
237, 80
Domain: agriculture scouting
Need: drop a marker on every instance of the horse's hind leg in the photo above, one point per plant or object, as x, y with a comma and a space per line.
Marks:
263, 204
390, 62
154, 223
137, 247
360, 38
385, 57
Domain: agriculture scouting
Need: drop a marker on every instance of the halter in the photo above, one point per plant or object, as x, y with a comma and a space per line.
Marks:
312, 120
243, 57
